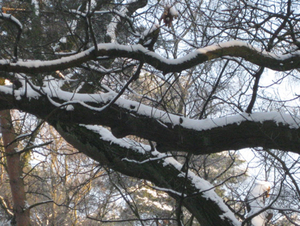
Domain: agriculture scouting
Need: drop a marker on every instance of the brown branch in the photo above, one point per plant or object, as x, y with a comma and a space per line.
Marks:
255, 90
22, 215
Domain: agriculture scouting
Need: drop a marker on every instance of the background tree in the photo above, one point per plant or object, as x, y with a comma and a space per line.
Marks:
168, 104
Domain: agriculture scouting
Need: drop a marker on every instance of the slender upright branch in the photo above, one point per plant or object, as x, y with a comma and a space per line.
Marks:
21, 212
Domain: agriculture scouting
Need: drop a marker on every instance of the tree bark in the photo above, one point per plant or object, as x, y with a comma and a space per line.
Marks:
21, 213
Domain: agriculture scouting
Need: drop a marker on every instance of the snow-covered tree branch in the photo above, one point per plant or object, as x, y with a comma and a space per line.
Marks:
273, 130
282, 62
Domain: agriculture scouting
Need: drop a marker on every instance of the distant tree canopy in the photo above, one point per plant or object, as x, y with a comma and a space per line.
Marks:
167, 92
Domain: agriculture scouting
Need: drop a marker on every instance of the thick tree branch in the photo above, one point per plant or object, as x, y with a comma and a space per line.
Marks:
170, 132
112, 50
141, 162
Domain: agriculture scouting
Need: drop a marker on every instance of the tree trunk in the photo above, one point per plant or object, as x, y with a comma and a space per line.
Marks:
21, 214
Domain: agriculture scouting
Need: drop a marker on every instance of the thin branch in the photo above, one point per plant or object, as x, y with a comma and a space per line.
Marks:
255, 89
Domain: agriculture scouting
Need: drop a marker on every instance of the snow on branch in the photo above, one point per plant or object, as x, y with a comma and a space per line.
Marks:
201, 186
240, 49
11, 18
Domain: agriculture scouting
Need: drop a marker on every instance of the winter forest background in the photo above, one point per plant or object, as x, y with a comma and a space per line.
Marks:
151, 112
